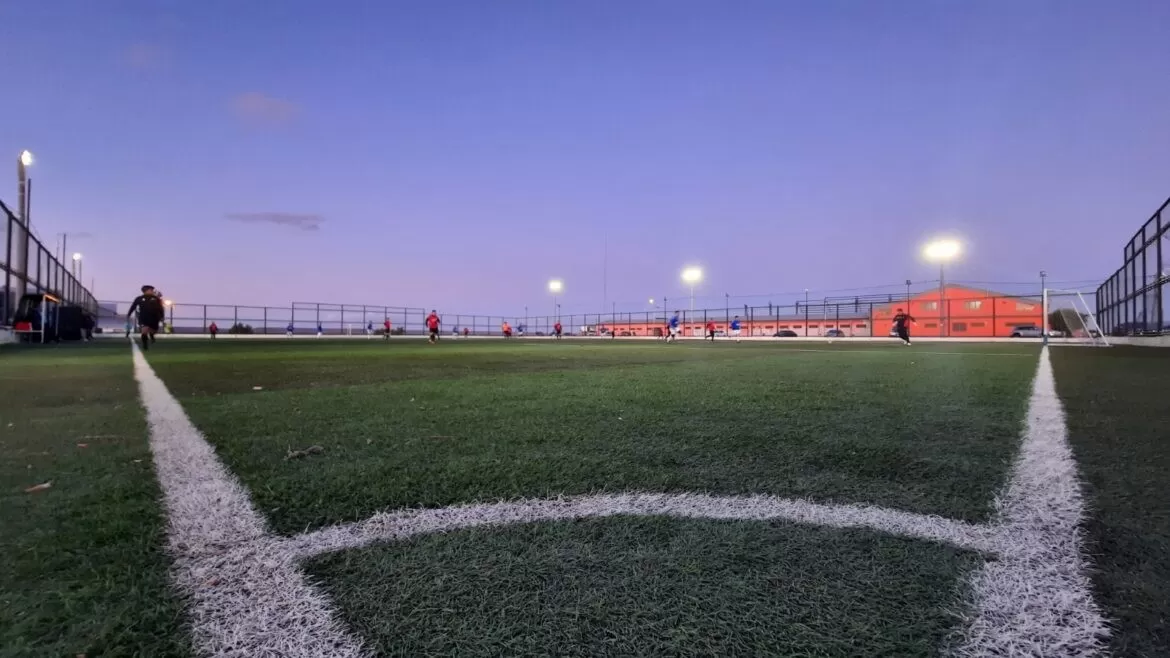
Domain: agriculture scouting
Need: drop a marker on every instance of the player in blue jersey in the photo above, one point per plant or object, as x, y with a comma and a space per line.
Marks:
735, 328
673, 336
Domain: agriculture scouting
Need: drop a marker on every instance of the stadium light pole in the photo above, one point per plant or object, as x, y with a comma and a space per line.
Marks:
170, 304
555, 286
692, 276
23, 162
77, 266
1044, 305
942, 251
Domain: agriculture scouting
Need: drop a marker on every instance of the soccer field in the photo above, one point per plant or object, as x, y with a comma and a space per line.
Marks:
583, 498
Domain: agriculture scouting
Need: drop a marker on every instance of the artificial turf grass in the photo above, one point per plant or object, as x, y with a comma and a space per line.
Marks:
82, 567
917, 432
650, 586
1119, 421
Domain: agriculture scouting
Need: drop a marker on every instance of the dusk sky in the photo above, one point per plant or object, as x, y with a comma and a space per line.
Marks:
460, 154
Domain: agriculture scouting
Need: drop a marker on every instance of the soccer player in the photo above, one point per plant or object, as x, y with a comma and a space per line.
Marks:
150, 314
386, 328
711, 330
320, 330
507, 329
213, 329
433, 323
288, 331
735, 328
902, 322
557, 329
673, 328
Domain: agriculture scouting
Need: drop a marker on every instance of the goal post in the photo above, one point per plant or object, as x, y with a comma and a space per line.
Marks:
1068, 318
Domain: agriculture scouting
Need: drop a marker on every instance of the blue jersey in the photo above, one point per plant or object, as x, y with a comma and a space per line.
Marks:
735, 325
674, 322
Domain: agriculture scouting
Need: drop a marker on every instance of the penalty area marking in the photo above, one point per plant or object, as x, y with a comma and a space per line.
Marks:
247, 596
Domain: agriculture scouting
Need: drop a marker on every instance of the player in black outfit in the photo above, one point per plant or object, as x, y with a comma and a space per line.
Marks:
902, 325
150, 314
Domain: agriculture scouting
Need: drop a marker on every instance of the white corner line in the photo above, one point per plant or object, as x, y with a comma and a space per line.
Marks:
403, 524
1036, 599
245, 596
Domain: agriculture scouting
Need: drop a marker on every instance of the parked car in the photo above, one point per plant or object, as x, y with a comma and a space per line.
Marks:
784, 333
1027, 331
834, 333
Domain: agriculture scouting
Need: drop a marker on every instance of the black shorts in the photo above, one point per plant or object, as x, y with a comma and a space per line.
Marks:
150, 323
434, 333
903, 333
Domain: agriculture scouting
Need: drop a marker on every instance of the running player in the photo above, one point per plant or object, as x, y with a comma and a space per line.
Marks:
150, 314
386, 329
735, 328
507, 329
711, 330
433, 323
672, 335
902, 322
557, 329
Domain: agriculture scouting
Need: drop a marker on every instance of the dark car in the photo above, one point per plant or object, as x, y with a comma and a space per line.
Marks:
834, 333
784, 333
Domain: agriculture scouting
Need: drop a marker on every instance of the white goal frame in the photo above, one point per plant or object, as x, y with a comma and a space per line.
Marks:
1094, 335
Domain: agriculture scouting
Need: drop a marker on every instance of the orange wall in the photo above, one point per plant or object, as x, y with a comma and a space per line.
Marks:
972, 313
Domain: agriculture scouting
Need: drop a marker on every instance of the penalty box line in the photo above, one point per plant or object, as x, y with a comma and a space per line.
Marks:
247, 596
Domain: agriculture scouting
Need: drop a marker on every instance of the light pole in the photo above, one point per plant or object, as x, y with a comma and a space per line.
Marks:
77, 266
692, 276
908, 295
555, 286
942, 251
23, 162
170, 304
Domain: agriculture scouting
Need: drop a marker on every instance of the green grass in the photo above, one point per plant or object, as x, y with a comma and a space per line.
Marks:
82, 569
407, 424
649, 587
1118, 407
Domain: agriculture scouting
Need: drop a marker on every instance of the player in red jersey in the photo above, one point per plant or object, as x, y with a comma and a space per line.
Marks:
433, 323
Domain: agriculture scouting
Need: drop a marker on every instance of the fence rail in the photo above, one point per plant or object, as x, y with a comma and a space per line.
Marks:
964, 315
1134, 299
28, 267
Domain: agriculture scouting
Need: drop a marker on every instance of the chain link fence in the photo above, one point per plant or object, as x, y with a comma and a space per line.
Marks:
960, 313
1133, 301
28, 267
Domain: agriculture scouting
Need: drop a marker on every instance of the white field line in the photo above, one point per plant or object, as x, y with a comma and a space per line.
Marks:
246, 597
249, 598
1036, 600
392, 526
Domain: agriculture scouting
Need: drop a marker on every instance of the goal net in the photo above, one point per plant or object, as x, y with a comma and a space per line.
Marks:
1068, 318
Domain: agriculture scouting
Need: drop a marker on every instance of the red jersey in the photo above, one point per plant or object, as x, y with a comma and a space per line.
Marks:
710, 326
387, 325
557, 327
432, 322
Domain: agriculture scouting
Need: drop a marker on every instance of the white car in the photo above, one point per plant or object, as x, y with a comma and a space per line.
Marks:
1027, 331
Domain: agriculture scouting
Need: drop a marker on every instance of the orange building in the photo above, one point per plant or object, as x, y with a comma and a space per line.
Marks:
969, 313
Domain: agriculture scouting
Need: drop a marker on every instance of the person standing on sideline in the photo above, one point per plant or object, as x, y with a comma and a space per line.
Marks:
386, 329
735, 329
902, 322
151, 312
433, 323
711, 330
213, 329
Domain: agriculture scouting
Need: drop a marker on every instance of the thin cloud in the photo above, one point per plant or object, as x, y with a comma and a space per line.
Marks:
255, 106
146, 56
303, 222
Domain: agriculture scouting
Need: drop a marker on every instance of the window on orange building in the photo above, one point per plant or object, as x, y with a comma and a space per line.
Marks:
930, 306
959, 326
930, 325
1020, 306
973, 305
814, 326
978, 324
859, 326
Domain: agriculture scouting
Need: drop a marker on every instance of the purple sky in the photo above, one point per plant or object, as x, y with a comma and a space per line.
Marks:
459, 154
